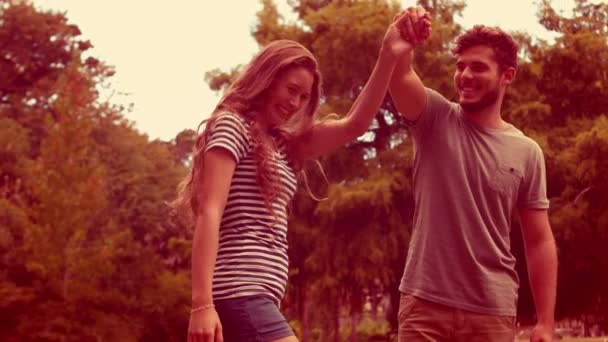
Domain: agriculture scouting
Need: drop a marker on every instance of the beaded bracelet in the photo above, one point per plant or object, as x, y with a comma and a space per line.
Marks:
201, 308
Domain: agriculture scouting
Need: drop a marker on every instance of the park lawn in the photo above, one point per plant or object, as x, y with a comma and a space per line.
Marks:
577, 339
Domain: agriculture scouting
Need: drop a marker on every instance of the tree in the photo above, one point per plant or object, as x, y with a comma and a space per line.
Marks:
85, 235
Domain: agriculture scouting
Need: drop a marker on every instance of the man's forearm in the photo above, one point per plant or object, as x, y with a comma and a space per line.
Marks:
542, 270
402, 69
407, 90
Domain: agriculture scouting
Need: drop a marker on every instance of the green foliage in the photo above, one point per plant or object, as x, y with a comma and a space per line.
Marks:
85, 233
578, 83
369, 328
219, 80
89, 250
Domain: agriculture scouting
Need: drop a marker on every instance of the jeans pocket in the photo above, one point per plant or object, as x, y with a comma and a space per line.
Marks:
268, 322
406, 304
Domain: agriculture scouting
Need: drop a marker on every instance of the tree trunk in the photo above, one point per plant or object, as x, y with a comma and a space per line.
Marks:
377, 294
304, 314
355, 318
336, 323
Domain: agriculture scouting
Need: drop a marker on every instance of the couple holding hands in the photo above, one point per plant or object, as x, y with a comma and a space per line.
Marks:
472, 173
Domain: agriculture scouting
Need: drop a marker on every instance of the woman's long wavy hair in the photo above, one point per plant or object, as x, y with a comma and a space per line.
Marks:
246, 97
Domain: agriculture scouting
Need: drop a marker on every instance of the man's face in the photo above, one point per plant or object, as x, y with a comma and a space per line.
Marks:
478, 79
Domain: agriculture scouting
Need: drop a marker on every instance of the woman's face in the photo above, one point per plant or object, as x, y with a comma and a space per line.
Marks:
287, 95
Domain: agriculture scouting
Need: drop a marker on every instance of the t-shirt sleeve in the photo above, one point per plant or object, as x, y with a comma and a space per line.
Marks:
436, 107
533, 192
229, 132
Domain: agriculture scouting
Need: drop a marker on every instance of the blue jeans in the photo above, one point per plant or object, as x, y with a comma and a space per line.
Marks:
251, 318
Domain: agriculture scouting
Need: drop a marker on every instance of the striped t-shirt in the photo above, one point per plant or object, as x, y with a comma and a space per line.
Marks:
252, 252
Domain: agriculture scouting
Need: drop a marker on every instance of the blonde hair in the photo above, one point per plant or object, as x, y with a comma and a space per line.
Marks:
246, 97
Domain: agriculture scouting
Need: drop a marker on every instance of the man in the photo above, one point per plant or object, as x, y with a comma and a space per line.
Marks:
472, 172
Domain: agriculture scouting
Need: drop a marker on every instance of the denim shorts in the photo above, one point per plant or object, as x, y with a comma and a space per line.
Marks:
251, 318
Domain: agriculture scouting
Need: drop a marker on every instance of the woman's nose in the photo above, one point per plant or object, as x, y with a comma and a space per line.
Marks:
294, 102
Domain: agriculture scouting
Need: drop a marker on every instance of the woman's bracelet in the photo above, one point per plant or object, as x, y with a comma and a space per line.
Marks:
203, 307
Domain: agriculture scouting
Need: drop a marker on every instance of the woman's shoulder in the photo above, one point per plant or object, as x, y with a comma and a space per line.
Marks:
231, 121
230, 131
232, 118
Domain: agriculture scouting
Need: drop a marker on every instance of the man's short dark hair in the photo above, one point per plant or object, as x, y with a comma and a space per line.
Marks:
504, 46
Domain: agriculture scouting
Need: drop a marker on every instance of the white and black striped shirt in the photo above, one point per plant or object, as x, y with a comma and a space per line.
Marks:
252, 253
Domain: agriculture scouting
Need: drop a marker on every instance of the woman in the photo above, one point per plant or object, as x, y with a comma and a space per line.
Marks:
243, 177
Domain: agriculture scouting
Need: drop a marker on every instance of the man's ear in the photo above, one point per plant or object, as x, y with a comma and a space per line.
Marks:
508, 75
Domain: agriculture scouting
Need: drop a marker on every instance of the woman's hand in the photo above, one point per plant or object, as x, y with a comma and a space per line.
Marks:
408, 30
205, 326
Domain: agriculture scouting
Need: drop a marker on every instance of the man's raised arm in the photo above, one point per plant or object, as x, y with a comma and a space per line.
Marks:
406, 88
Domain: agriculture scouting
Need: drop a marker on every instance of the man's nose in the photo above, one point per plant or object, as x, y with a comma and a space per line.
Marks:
466, 73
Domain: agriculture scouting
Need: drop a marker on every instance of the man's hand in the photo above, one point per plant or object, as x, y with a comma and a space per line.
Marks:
416, 26
408, 30
542, 333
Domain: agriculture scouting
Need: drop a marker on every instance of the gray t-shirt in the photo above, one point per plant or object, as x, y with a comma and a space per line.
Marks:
468, 183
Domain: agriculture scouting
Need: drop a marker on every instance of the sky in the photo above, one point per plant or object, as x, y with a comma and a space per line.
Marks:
161, 52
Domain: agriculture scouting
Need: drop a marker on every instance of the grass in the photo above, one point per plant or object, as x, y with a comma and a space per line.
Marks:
577, 339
